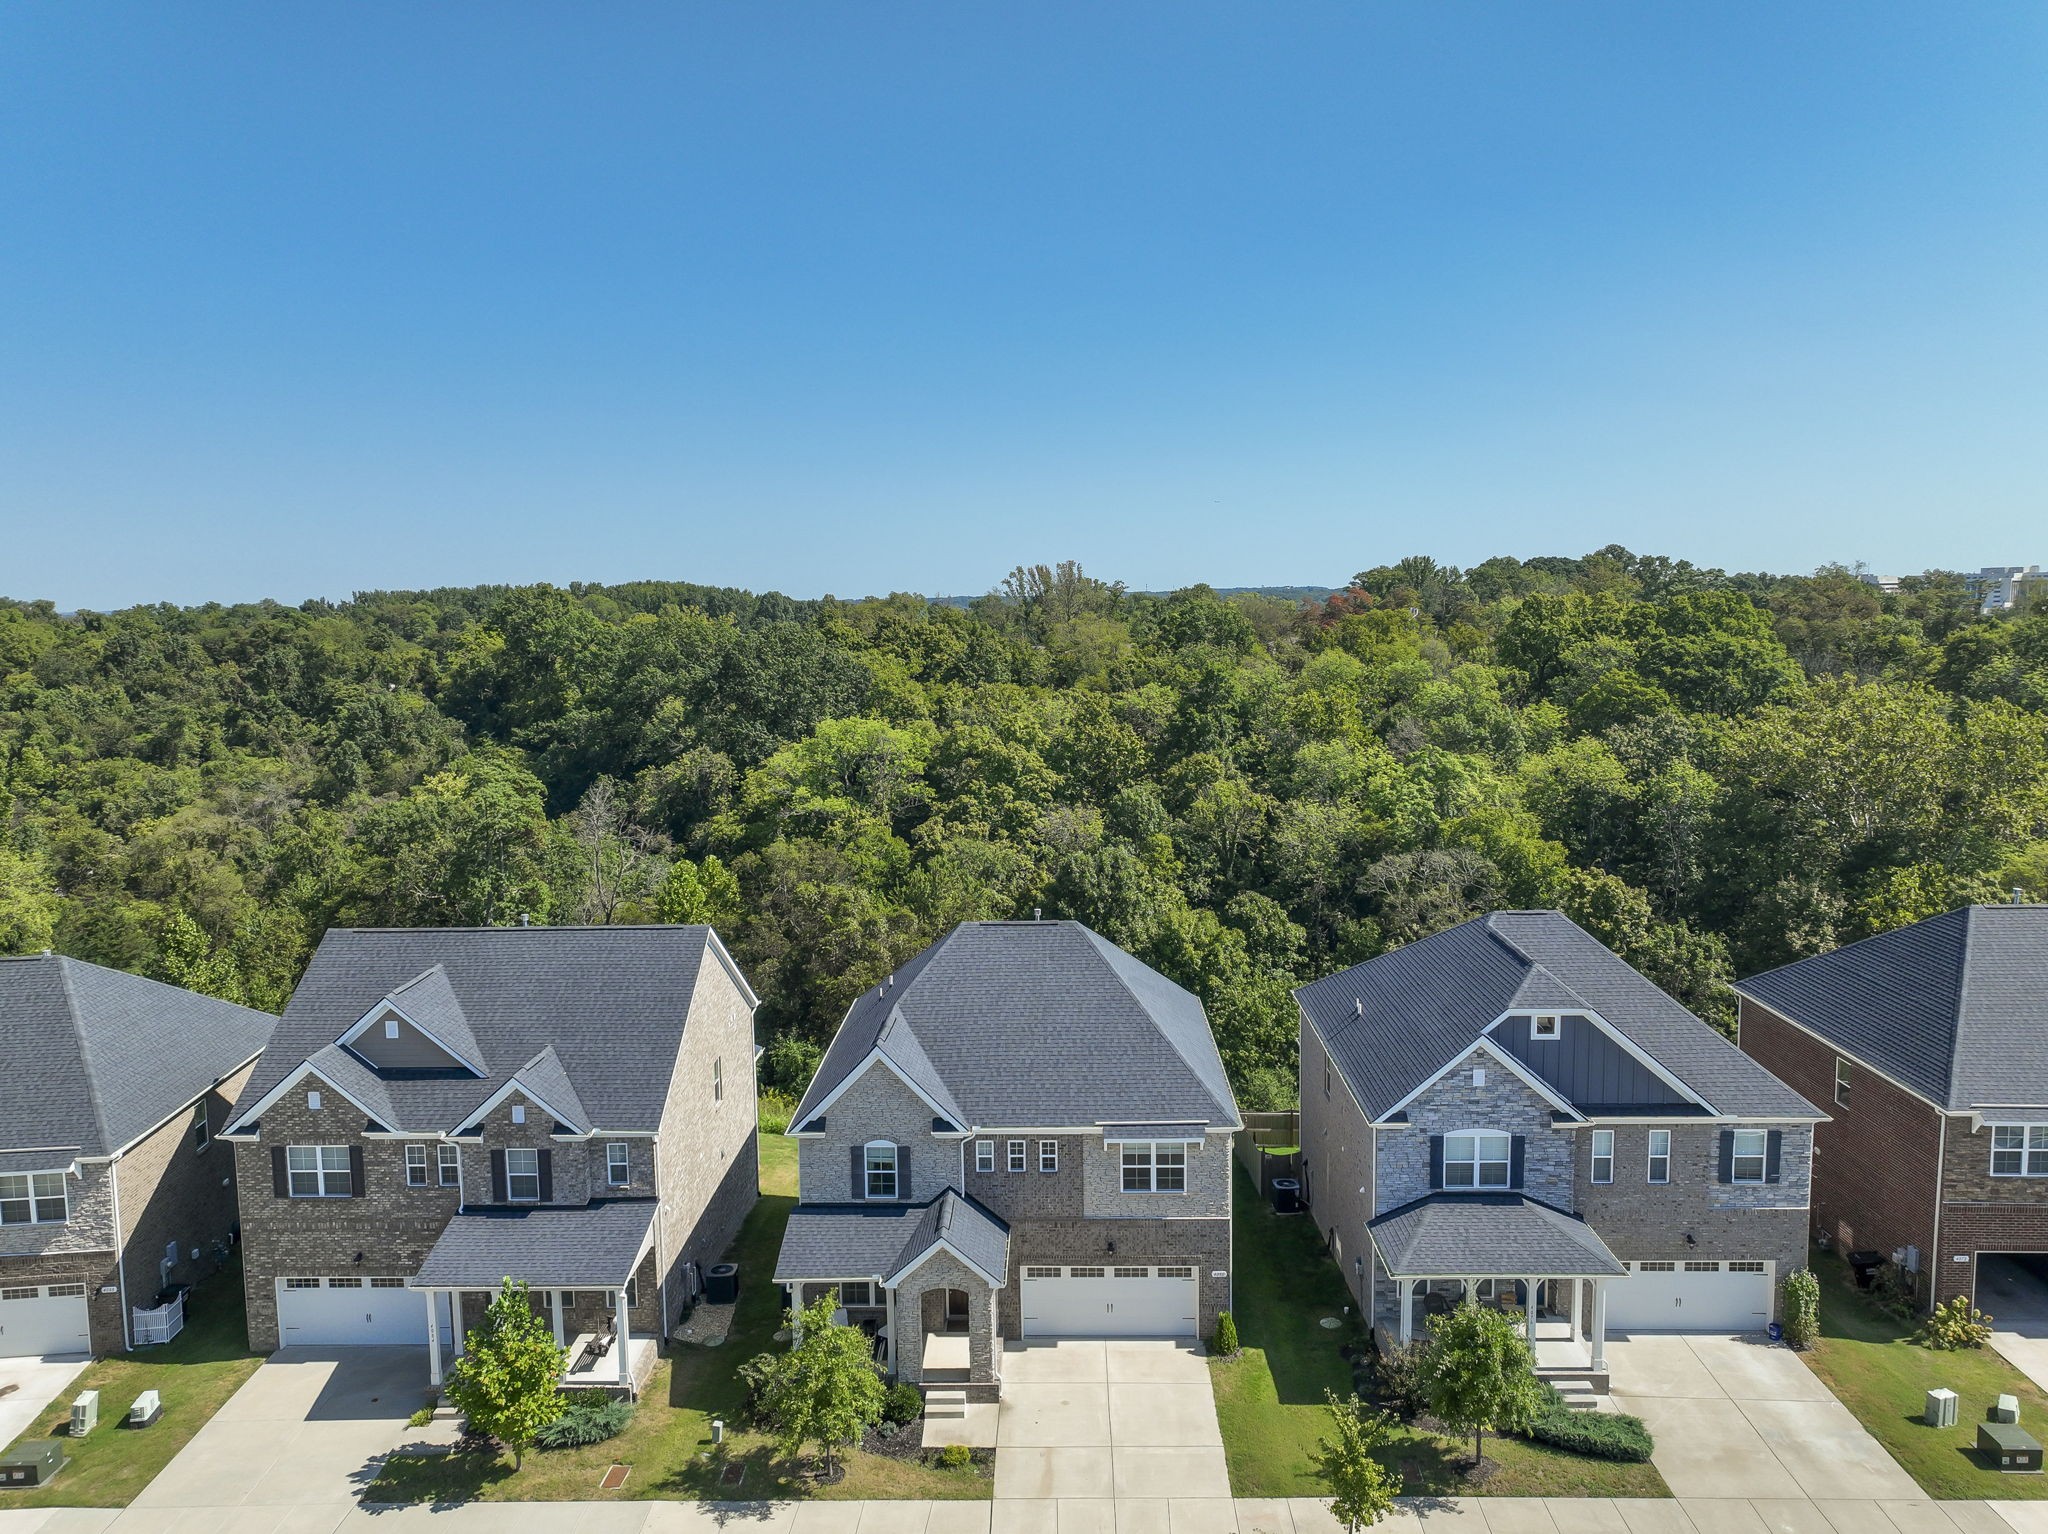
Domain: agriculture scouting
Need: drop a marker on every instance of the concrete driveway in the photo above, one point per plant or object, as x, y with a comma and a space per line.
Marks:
37, 1382
299, 1441
1083, 1423
1739, 1417
2013, 1291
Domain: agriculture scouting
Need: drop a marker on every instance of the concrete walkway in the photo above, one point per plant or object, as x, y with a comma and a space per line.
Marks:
37, 1382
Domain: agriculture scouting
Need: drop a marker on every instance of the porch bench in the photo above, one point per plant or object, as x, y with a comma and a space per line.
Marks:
582, 1343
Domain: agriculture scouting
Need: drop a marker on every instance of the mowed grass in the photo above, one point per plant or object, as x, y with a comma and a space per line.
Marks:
669, 1446
1270, 1401
195, 1374
1869, 1360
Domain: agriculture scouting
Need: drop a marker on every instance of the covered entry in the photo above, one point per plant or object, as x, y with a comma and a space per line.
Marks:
1110, 1300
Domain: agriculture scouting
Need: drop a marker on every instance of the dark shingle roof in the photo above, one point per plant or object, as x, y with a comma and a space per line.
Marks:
610, 1003
1462, 1234
1955, 1007
880, 1240
90, 1058
1035, 1024
592, 1246
1425, 1004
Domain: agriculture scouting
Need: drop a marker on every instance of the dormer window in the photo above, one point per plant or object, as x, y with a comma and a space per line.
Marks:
1545, 1025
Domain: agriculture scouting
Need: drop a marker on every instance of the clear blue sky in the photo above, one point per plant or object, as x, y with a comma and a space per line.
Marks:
302, 298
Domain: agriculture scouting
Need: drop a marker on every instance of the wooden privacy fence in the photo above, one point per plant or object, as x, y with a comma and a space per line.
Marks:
1269, 1146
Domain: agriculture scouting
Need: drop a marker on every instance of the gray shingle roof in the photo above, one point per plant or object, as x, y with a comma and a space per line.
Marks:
90, 1057
429, 999
1488, 1235
609, 1002
1035, 1024
1425, 1004
880, 1240
1955, 1007
593, 1246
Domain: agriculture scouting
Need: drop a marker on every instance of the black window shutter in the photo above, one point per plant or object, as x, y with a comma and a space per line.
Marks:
903, 1171
1727, 1155
860, 1181
1436, 1161
1517, 1149
547, 1177
1774, 1150
498, 1193
358, 1185
280, 1175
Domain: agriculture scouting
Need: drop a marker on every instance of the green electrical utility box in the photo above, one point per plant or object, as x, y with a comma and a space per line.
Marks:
32, 1463
2010, 1447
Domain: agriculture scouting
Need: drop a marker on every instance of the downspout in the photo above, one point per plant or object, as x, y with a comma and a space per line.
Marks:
120, 1254
1941, 1176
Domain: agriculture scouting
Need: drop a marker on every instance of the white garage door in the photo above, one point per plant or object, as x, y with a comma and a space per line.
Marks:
1126, 1301
37, 1320
342, 1312
1701, 1296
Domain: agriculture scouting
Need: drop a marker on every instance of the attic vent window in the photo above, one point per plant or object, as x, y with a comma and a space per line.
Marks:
312, 1099
1478, 1075
1544, 1026
518, 1114
390, 1027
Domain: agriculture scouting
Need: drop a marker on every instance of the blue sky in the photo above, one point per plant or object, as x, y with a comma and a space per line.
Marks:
298, 299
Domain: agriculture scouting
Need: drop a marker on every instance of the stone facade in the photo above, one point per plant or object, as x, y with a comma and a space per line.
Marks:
919, 1306
876, 1106
1504, 1103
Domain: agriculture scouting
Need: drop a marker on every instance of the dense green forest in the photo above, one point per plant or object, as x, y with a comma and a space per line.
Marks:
1712, 772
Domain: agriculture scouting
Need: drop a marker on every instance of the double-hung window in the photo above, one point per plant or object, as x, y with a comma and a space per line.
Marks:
879, 1160
2019, 1150
1660, 1155
1048, 1155
618, 1164
1603, 1156
1477, 1160
1747, 1164
415, 1166
1016, 1161
1155, 1168
522, 1175
1841, 1082
34, 1198
450, 1160
202, 1129
317, 1171
984, 1155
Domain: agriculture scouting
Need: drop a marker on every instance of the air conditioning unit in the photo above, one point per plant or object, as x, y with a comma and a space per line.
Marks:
147, 1408
1941, 1408
85, 1413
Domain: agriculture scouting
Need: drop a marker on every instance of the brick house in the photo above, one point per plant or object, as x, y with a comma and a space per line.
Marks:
1022, 1133
1506, 1111
113, 1091
442, 1109
1930, 1043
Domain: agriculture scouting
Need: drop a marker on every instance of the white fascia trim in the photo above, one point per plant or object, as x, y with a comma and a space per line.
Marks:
1841, 1053
184, 1107
298, 1074
1642, 1056
362, 1026
732, 969
519, 1086
1515, 1067
941, 1244
876, 1057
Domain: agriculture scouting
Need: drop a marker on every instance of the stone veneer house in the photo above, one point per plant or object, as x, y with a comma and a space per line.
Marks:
1931, 1046
1508, 1111
443, 1109
1024, 1132
112, 1091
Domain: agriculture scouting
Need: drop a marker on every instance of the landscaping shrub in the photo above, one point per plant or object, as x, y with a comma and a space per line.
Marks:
1225, 1342
421, 1417
1598, 1435
1893, 1291
955, 1456
756, 1376
1801, 1308
588, 1416
1958, 1324
1397, 1381
902, 1403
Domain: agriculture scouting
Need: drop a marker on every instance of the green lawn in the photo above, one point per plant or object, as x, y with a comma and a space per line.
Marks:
669, 1444
1269, 1399
1874, 1368
195, 1374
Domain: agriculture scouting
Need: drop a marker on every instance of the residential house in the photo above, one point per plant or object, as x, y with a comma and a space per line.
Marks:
1022, 1133
1506, 1111
1930, 1046
443, 1109
113, 1089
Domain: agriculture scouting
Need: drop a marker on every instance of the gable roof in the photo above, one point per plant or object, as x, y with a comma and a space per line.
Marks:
1426, 1004
1034, 1024
95, 1057
885, 1241
1954, 1007
589, 1019
430, 1002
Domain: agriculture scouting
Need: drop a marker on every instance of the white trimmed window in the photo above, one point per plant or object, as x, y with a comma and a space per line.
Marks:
1841, 1082
313, 1100
450, 1159
1747, 1164
34, 1198
1155, 1168
1017, 1150
522, 1175
1477, 1159
1660, 1155
1544, 1025
857, 1294
415, 1166
1745, 1266
202, 1129
879, 1160
984, 1155
618, 1164
1048, 1155
1603, 1155
2019, 1150
317, 1171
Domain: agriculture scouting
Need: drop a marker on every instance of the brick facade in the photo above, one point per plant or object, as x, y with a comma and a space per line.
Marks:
1338, 1164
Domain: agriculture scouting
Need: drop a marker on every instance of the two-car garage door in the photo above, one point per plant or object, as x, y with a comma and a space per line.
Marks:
349, 1312
39, 1320
1697, 1296
1110, 1301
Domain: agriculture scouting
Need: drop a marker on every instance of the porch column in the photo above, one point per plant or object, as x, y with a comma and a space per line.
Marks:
1599, 1323
555, 1310
455, 1320
1529, 1308
1405, 1289
889, 1311
625, 1342
433, 1337
1576, 1312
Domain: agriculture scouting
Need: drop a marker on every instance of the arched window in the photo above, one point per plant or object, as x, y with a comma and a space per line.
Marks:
880, 1161
1477, 1158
